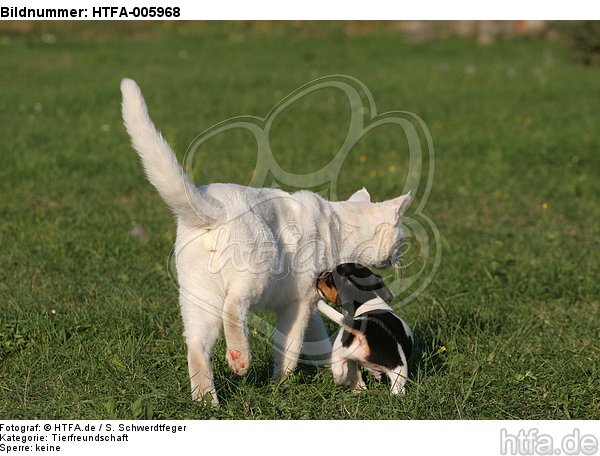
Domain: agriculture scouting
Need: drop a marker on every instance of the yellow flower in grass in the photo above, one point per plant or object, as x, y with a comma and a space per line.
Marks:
544, 205
362, 158
372, 173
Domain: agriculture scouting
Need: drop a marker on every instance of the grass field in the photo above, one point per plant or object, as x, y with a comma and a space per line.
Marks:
89, 322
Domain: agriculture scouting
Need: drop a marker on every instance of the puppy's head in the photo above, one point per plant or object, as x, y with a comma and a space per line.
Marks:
350, 285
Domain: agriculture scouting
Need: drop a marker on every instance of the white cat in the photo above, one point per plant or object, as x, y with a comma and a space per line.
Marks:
240, 247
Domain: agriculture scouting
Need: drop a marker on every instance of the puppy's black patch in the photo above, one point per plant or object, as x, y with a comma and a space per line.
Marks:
383, 331
356, 285
383, 337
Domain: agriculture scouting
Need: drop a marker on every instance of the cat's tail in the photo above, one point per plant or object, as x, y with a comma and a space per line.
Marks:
161, 165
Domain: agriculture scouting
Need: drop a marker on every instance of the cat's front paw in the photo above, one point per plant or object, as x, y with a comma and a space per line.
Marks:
238, 360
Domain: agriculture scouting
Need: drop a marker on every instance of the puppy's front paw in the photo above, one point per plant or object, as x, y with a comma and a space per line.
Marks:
360, 384
339, 370
239, 361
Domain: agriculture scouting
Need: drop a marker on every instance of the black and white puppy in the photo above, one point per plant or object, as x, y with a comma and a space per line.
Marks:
371, 335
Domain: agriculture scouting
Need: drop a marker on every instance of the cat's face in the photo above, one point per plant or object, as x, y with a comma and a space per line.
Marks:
374, 229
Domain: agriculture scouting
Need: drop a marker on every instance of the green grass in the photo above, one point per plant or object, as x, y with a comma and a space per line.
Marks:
89, 322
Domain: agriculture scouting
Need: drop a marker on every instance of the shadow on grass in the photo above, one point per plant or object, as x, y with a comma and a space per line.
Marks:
229, 384
429, 353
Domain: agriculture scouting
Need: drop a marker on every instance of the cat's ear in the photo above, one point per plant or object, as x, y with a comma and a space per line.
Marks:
399, 205
361, 196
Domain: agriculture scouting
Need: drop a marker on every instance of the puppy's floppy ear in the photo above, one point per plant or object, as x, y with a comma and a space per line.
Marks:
384, 293
365, 280
374, 283
347, 292
361, 195
348, 269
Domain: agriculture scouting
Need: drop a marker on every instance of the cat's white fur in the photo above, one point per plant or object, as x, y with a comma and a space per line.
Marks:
239, 248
